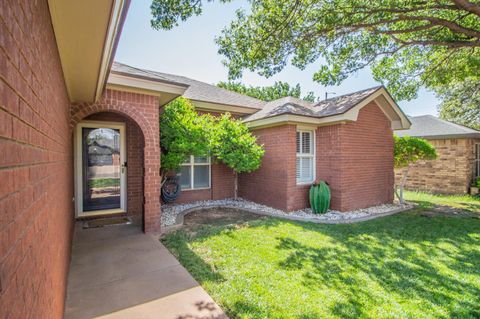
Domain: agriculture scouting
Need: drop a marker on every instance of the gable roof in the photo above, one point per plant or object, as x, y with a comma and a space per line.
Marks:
342, 108
285, 105
295, 106
431, 127
343, 103
196, 90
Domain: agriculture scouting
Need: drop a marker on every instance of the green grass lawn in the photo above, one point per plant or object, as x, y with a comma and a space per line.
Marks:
104, 182
426, 200
401, 266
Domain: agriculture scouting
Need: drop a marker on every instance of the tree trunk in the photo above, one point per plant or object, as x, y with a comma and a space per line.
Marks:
402, 184
235, 196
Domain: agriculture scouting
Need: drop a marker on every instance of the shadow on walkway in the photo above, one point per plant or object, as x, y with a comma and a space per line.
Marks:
119, 272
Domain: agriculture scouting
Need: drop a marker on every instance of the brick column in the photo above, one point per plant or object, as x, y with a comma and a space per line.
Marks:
152, 210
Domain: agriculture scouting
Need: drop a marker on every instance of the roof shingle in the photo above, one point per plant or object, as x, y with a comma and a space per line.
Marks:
197, 90
334, 106
429, 126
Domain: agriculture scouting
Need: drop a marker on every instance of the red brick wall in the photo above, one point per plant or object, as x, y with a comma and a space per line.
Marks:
367, 160
356, 159
222, 186
134, 141
271, 183
450, 173
36, 187
329, 168
144, 111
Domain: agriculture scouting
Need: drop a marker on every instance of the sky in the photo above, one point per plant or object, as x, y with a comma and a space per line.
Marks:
190, 50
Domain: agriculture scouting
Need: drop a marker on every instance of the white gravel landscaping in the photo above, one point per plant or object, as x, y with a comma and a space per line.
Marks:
172, 214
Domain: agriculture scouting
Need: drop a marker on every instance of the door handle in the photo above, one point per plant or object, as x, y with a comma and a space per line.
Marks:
124, 166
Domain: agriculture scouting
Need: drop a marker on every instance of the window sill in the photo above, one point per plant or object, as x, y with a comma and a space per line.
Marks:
194, 189
304, 183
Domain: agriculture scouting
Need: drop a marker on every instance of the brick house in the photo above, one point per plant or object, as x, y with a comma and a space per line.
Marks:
458, 162
62, 96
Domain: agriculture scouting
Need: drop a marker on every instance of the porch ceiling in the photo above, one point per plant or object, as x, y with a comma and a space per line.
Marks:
87, 32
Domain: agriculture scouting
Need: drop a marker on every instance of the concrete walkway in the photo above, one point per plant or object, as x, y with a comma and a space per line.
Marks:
119, 272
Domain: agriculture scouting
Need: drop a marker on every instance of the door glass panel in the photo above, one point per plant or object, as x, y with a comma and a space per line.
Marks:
101, 168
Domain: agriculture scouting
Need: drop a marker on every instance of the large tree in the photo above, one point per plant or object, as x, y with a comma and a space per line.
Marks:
406, 43
268, 93
461, 102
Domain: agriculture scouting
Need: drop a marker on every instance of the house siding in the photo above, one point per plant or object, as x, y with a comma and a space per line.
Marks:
36, 188
450, 173
355, 159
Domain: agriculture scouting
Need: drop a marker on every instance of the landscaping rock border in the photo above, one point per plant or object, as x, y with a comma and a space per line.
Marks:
172, 215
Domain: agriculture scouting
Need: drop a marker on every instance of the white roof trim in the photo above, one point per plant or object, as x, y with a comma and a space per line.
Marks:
118, 81
114, 27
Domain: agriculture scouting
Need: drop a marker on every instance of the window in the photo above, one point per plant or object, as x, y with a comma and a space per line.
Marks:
476, 162
305, 157
195, 173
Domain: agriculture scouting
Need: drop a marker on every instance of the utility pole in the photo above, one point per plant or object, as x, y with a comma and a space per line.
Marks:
327, 93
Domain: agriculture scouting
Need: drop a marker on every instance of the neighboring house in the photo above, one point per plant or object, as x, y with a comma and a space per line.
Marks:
458, 162
58, 84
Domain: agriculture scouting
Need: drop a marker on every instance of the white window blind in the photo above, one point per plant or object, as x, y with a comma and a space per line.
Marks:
195, 173
305, 157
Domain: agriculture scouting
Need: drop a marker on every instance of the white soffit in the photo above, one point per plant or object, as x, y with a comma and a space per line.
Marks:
87, 33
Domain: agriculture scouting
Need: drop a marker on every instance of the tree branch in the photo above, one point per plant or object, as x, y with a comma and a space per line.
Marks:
468, 6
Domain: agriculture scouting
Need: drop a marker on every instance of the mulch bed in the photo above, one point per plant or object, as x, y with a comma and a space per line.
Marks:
218, 217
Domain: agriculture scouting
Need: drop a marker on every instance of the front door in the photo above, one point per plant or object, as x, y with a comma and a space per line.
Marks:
100, 168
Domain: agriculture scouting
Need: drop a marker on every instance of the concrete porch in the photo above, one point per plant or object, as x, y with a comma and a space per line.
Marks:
119, 272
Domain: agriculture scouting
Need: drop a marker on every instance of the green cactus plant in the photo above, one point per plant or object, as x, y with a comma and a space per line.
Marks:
320, 197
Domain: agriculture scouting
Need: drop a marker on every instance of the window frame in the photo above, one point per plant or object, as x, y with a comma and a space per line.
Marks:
192, 165
301, 155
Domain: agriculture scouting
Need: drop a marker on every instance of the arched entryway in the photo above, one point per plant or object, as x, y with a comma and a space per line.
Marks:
137, 165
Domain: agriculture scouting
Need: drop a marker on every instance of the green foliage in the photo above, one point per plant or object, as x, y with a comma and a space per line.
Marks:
319, 197
408, 150
183, 133
478, 182
461, 102
233, 144
406, 43
267, 93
